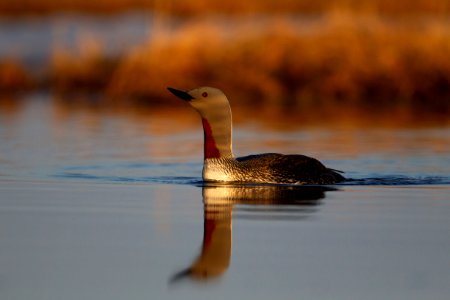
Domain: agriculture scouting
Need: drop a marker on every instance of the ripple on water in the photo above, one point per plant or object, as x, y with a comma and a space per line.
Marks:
105, 178
398, 180
137, 173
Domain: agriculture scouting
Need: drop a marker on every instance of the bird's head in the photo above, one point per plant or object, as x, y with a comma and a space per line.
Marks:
207, 101
215, 111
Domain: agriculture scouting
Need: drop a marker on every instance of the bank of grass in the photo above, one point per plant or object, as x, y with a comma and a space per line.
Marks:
342, 61
199, 7
80, 71
14, 77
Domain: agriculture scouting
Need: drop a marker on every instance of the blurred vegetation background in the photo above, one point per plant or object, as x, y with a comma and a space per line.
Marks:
288, 56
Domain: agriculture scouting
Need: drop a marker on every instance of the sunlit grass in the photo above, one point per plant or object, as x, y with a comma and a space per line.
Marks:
14, 77
81, 70
199, 7
340, 61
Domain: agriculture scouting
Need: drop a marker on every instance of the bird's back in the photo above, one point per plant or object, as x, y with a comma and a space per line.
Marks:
294, 168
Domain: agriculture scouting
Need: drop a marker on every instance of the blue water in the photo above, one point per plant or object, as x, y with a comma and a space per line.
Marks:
34, 39
98, 204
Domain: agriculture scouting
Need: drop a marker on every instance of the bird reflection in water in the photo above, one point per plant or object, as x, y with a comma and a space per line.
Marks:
219, 200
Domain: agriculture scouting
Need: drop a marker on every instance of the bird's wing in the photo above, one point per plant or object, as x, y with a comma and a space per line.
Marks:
301, 168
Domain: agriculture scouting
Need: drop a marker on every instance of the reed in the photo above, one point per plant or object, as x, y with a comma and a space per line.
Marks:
83, 70
341, 60
199, 7
14, 77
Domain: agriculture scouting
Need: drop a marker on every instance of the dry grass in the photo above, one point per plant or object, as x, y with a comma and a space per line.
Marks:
81, 70
343, 60
340, 61
14, 77
197, 7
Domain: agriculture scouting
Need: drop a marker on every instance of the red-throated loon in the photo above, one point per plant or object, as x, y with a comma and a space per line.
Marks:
221, 165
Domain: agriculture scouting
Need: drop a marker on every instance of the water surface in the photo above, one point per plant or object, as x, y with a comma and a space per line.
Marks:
101, 204
34, 39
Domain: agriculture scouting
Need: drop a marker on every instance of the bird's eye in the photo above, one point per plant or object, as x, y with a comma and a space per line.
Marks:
205, 94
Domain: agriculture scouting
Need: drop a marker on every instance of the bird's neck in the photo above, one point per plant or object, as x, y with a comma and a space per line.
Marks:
217, 132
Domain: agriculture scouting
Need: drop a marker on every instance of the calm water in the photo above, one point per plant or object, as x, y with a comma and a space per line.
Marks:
110, 205
34, 39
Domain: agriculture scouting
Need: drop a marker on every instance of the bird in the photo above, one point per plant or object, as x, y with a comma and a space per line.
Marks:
219, 163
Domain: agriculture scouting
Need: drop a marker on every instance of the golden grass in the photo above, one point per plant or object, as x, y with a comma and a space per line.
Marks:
81, 70
339, 63
197, 7
343, 60
14, 77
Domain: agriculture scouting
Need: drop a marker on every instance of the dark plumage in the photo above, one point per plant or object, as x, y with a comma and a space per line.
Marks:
293, 168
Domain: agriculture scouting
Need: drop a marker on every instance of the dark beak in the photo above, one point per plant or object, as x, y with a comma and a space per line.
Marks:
180, 94
180, 275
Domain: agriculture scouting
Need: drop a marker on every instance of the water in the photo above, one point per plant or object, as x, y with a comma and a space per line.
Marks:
34, 39
104, 204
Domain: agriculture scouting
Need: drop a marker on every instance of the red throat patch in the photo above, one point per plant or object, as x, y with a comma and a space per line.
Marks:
210, 150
